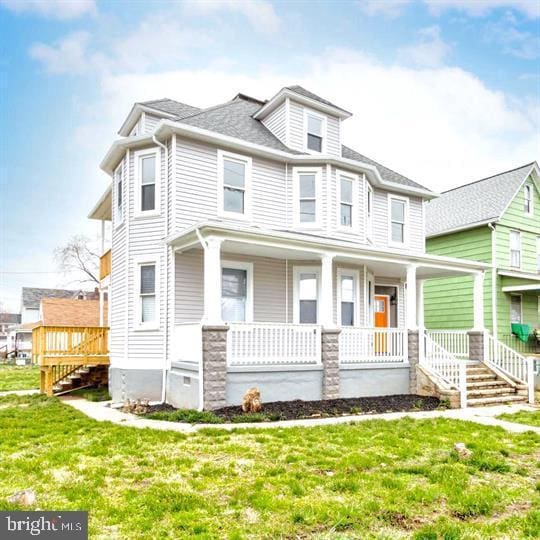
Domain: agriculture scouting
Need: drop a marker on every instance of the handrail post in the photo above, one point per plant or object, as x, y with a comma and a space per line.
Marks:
530, 379
463, 384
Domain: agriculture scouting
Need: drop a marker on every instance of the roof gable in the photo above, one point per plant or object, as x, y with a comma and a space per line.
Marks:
32, 296
476, 203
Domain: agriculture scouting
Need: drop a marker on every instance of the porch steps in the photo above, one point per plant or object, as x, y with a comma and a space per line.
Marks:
485, 387
82, 377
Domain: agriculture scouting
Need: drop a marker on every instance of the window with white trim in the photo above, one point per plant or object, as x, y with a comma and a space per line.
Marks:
515, 249
369, 211
347, 297
235, 182
538, 253
314, 132
398, 217
307, 288
236, 296
346, 188
528, 199
118, 195
515, 308
307, 183
147, 293
147, 168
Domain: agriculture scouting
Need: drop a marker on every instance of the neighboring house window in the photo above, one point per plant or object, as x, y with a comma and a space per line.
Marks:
398, 216
347, 297
147, 293
515, 308
528, 199
345, 201
515, 249
147, 167
369, 211
119, 216
235, 174
538, 253
306, 192
236, 292
306, 292
314, 129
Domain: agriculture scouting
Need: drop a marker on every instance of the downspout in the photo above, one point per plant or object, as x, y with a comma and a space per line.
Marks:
166, 359
494, 280
201, 370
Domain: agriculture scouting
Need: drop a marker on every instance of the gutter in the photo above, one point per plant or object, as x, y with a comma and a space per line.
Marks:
201, 370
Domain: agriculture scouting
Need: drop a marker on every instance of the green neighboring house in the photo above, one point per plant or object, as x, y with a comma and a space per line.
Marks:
495, 220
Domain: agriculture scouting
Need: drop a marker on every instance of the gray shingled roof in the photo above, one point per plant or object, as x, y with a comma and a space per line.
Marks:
306, 93
31, 296
10, 318
180, 110
474, 203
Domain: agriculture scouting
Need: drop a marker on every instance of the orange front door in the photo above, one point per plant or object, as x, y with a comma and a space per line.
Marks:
382, 320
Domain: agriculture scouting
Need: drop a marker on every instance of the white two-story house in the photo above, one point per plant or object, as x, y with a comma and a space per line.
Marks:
251, 247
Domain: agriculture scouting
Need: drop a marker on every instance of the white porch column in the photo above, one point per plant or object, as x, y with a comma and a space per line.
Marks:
420, 303
326, 311
478, 302
101, 306
212, 281
411, 297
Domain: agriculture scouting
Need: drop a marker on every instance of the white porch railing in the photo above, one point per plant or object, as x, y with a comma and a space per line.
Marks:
445, 366
268, 343
187, 342
365, 345
510, 363
455, 342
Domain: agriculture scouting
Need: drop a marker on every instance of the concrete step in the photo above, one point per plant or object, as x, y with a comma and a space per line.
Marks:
487, 392
478, 370
478, 402
486, 384
482, 377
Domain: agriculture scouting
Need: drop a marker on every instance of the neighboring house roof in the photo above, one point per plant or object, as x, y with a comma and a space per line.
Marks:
71, 312
10, 318
32, 296
475, 203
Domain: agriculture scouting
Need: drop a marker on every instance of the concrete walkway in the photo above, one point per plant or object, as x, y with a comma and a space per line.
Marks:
19, 393
103, 412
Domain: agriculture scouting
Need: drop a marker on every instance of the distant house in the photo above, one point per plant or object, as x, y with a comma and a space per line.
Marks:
70, 312
7, 320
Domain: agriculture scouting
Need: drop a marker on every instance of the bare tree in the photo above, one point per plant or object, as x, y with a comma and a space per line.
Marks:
77, 257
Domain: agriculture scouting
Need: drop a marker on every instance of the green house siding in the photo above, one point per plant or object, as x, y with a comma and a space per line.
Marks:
449, 301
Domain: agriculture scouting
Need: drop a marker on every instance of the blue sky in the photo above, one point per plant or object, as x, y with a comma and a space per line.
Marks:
443, 91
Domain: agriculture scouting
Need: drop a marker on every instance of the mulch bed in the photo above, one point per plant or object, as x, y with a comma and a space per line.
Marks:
297, 409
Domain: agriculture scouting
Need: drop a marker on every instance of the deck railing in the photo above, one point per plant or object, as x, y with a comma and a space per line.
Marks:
105, 265
372, 345
531, 346
455, 342
268, 343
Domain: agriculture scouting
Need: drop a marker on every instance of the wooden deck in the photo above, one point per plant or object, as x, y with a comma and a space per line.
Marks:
62, 350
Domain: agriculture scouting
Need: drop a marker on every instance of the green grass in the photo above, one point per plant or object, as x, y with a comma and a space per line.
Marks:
93, 394
374, 479
190, 416
530, 418
18, 377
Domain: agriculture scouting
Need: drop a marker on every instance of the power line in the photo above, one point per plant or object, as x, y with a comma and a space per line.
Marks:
28, 272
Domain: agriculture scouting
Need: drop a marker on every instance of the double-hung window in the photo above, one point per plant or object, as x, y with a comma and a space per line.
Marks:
538, 253
119, 196
515, 308
398, 219
236, 292
314, 132
307, 197
235, 173
347, 292
528, 199
147, 294
306, 289
346, 207
147, 174
515, 249
369, 211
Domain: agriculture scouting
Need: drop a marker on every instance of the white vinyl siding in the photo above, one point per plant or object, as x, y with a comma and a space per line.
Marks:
515, 249
276, 122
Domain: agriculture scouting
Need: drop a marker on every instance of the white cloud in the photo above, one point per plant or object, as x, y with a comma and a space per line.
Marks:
260, 13
519, 43
429, 51
391, 9
480, 8
52, 9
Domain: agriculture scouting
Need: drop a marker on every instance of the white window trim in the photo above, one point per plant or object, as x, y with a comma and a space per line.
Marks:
119, 215
520, 307
531, 191
310, 112
406, 225
354, 203
538, 254
297, 270
297, 172
369, 215
248, 267
139, 326
510, 249
221, 156
138, 182
355, 274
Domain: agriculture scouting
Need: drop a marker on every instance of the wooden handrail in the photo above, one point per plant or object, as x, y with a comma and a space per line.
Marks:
105, 265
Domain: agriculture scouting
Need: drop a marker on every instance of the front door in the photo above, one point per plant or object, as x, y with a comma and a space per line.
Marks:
382, 320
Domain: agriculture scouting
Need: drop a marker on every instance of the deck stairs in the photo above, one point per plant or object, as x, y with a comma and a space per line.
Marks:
78, 377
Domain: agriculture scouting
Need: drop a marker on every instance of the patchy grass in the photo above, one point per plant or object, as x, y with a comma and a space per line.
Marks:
18, 377
93, 394
374, 479
190, 416
530, 418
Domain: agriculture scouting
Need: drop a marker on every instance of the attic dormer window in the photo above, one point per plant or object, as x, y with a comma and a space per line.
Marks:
314, 128
528, 199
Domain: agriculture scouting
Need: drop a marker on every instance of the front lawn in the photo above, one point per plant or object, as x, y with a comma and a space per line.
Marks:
530, 418
18, 377
375, 479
